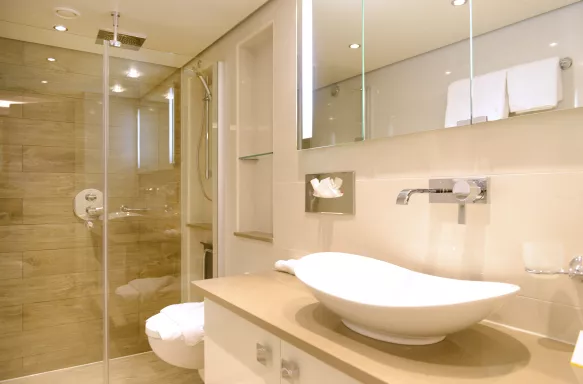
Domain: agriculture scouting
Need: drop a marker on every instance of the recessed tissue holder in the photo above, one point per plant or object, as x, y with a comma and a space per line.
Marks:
330, 193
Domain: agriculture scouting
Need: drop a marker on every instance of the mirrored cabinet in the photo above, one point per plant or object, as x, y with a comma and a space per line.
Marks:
383, 68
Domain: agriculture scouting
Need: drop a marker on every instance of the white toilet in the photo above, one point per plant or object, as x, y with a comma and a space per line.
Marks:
176, 352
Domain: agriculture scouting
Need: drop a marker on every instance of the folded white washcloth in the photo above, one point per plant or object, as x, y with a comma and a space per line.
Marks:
189, 317
287, 266
167, 328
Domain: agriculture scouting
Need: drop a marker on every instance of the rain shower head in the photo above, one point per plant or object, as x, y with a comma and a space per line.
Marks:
127, 41
117, 39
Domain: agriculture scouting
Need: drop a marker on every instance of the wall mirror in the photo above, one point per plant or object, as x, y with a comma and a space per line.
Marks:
382, 68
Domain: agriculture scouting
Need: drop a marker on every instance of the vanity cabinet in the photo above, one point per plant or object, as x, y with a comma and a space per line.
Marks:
239, 352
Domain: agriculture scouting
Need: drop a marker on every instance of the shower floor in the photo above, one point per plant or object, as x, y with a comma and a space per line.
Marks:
145, 368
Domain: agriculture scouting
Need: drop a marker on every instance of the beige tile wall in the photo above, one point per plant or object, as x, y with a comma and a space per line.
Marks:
536, 168
51, 287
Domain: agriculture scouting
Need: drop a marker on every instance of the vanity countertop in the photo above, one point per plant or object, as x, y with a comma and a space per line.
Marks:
484, 353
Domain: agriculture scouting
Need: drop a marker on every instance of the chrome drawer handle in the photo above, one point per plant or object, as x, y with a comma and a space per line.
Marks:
289, 370
263, 354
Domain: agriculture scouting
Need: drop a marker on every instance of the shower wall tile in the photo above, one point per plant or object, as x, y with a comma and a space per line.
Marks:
10, 368
36, 132
48, 159
54, 360
27, 184
59, 261
10, 294
11, 51
11, 265
11, 211
59, 312
10, 158
50, 108
11, 319
49, 210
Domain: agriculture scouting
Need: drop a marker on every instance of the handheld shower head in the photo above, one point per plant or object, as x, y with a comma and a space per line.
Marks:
198, 73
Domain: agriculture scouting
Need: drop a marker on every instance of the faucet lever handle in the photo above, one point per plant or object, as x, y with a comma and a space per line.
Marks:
467, 191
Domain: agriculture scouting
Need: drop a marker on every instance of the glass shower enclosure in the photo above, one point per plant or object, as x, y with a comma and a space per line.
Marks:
101, 128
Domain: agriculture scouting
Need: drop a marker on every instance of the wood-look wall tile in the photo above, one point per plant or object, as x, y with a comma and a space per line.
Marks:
50, 210
82, 309
11, 346
36, 132
10, 292
120, 184
11, 265
60, 337
91, 161
10, 319
63, 358
60, 261
50, 108
42, 233
48, 159
10, 158
11, 51
27, 184
11, 369
11, 211
60, 287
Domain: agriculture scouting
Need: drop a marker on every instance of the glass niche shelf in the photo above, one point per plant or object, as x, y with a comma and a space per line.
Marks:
255, 156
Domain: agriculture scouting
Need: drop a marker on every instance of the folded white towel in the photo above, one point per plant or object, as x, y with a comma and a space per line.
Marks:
535, 86
287, 266
190, 320
166, 327
458, 104
490, 99
147, 288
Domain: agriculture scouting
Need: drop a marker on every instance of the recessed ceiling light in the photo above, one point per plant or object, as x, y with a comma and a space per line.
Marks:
117, 88
67, 13
354, 46
553, 44
448, 72
60, 28
457, 3
44, 81
51, 59
133, 73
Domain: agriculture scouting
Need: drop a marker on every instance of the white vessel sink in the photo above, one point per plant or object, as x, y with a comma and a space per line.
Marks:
393, 304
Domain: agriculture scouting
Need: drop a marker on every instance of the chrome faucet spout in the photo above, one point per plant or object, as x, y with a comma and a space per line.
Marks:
405, 194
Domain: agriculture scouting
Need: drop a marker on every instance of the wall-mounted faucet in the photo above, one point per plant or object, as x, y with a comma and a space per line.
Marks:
451, 191
405, 194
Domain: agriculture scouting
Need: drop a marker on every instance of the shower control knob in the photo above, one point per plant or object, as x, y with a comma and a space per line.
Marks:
468, 191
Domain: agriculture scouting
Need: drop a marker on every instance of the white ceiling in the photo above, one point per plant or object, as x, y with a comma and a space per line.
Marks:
176, 30
396, 30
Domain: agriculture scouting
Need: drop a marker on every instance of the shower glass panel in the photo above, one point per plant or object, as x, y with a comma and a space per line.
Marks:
51, 287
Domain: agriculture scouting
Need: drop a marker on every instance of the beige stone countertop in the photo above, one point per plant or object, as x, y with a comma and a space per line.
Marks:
484, 353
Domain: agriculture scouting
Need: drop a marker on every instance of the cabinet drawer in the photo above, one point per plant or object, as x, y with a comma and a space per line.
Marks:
237, 351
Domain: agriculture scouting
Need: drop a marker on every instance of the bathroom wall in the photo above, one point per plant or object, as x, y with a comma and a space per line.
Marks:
536, 192
398, 92
50, 263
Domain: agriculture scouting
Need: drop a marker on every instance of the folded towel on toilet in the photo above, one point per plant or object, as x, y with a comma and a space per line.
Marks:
189, 317
287, 266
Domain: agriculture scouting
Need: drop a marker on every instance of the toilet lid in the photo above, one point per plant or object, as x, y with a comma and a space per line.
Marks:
154, 323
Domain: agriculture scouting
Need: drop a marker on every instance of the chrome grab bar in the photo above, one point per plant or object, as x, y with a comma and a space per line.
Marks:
575, 269
127, 209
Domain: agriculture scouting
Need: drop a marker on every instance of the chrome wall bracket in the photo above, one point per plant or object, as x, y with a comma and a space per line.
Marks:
575, 270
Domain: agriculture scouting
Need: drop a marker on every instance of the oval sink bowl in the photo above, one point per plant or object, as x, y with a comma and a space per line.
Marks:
394, 304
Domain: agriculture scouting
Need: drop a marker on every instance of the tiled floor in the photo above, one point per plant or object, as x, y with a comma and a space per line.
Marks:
145, 368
